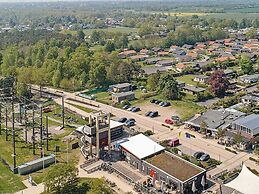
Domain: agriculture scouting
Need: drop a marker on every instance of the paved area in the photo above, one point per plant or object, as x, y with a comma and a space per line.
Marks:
191, 145
31, 189
122, 185
125, 169
164, 112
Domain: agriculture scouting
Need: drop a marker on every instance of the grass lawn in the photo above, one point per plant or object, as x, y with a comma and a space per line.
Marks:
186, 109
9, 182
88, 110
56, 114
103, 97
188, 79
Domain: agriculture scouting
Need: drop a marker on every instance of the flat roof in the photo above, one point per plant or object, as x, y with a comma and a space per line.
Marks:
123, 94
175, 166
141, 146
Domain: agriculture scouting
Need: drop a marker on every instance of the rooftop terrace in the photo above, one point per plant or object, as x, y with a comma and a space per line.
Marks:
174, 166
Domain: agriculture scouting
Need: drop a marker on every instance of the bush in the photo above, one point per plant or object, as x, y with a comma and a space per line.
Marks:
233, 151
148, 133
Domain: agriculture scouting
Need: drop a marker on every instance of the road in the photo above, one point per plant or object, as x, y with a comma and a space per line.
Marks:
189, 145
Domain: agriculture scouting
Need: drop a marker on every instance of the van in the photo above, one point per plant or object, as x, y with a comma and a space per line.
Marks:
174, 142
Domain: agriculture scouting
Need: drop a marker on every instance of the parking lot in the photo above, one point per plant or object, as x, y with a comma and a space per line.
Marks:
164, 112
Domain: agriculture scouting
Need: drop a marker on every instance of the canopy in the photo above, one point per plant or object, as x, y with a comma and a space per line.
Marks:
246, 182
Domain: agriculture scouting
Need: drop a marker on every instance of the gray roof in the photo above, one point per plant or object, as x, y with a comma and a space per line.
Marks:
193, 88
123, 85
165, 62
254, 76
250, 122
121, 94
150, 70
216, 118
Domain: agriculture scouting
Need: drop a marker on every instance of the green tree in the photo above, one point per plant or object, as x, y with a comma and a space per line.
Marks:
152, 81
168, 87
81, 34
60, 177
56, 79
246, 64
221, 132
252, 33
203, 127
109, 47
238, 138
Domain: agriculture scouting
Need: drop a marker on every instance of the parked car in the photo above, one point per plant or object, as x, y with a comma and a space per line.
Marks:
131, 119
131, 108
126, 106
169, 121
153, 114
130, 123
148, 113
153, 100
157, 101
135, 109
161, 104
204, 157
174, 142
175, 118
122, 120
197, 155
166, 104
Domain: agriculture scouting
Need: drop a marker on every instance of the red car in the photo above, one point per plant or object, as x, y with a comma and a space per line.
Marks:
169, 121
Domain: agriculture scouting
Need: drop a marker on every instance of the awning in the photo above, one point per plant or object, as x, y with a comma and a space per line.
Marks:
246, 182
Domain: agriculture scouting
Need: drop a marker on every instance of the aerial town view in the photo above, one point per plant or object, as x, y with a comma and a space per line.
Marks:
129, 97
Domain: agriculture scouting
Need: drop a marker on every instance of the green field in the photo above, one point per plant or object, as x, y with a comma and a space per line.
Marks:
186, 109
9, 182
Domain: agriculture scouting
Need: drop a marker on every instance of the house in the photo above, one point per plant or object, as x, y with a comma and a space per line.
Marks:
250, 98
180, 67
184, 58
157, 49
124, 87
187, 46
201, 78
127, 53
144, 51
229, 73
165, 63
248, 126
192, 89
249, 79
154, 69
163, 53
139, 57
152, 61
118, 97
214, 119
180, 84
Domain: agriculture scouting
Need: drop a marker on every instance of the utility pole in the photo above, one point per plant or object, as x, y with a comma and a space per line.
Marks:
6, 125
25, 122
41, 133
63, 113
13, 134
0, 119
67, 151
33, 130
47, 131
